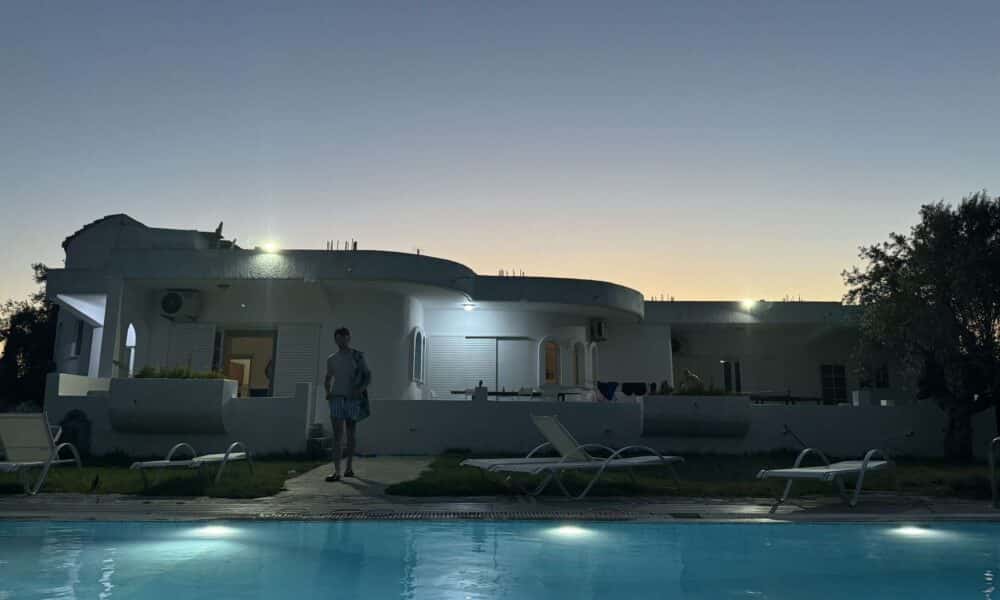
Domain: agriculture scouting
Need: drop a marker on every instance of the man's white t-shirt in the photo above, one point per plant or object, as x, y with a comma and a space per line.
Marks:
341, 365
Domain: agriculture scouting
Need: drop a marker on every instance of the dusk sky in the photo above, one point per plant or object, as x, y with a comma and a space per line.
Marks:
705, 150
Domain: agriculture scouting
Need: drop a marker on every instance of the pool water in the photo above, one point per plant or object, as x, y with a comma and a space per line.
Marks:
518, 560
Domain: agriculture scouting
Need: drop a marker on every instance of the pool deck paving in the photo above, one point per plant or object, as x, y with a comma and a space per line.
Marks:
309, 497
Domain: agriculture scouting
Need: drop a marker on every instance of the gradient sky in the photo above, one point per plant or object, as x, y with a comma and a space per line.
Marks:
705, 150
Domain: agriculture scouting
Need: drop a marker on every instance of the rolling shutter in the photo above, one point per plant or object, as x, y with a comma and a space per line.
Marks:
456, 363
191, 346
296, 358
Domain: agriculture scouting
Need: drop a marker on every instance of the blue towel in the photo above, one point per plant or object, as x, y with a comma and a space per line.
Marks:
607, 389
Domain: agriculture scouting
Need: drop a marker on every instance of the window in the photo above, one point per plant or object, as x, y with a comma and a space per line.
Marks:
130, 340
833, 379
417, 354
732, 376
551, 362
77, 345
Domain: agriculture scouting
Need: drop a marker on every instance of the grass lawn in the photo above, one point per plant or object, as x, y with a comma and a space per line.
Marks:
111, 475
702, 475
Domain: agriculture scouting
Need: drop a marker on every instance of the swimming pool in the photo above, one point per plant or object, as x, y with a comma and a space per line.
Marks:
472, 560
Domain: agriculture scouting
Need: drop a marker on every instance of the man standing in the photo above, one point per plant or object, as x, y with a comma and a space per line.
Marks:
347, 379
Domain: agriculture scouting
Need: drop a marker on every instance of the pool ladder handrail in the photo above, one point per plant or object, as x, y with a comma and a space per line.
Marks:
993, 470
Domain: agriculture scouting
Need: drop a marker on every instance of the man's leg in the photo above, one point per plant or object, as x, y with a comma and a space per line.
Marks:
338, 441
352, 427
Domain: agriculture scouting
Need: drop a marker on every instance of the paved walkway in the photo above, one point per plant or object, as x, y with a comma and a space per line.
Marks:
308, 496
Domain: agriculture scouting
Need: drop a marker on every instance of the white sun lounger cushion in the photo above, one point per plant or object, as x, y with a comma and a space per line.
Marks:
189, 463
824, 472
13, 467
587, 465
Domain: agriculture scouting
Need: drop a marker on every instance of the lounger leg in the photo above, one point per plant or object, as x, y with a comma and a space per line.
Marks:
857, 489
562, 487
839, 483
784, 496
41, 478
673, 473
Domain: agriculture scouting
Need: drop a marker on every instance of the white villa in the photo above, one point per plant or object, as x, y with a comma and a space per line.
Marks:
133, 296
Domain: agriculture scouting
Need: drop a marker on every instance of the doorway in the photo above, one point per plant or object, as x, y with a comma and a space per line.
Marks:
248, 358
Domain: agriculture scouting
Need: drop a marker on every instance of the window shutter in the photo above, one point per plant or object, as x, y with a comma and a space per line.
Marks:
296, 357
191, 346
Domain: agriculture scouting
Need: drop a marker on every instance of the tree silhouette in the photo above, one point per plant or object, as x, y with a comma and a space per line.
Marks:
27, 330
932, 300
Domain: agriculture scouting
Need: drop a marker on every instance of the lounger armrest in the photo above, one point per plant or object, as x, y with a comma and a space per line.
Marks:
56, 432
802, 455
189, 447
234, 446
73, 451
538, 448
871, 454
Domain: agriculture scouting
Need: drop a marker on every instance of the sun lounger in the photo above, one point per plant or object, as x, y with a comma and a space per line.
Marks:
195, 461
30, 443
834, 473
573, 456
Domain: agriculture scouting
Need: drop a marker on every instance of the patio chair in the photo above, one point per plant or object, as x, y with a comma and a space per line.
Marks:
196, 461
31, 443
834, 473
573, 456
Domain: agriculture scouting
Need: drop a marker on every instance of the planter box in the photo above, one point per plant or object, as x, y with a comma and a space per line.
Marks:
169, 405
696, 416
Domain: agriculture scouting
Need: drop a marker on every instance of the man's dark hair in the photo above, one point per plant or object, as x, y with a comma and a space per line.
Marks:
341, 331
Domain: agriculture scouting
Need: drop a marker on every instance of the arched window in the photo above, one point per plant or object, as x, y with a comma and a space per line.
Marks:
130, 340
418, 354
550, 362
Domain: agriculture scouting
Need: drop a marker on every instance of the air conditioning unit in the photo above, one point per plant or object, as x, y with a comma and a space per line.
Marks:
180, 305
598, 330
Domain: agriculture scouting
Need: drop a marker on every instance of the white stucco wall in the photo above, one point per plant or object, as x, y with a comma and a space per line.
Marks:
430, 427
837, 430
272, 425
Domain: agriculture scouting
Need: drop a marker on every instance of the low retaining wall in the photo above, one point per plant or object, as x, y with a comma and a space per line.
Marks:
268, 425
915, 430
432, 426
